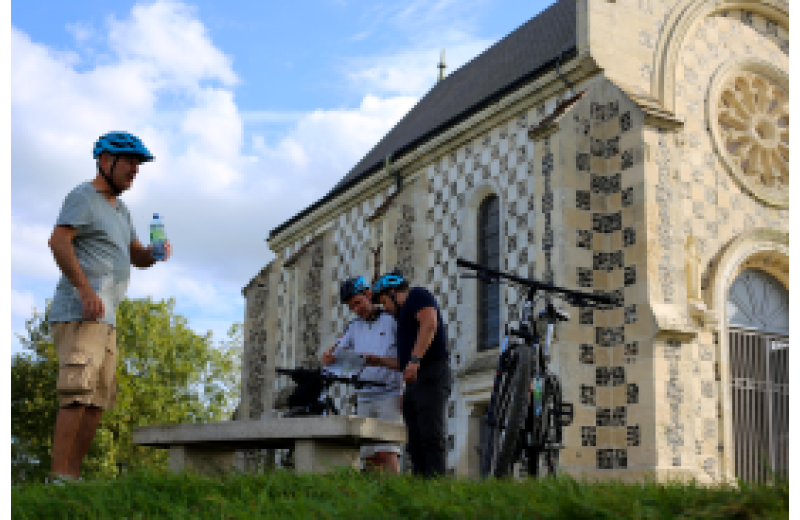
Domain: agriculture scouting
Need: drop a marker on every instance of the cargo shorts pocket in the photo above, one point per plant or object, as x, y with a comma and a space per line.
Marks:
76, 374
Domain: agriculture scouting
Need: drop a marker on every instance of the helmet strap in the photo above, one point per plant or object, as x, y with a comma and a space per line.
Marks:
110, 182
394, 302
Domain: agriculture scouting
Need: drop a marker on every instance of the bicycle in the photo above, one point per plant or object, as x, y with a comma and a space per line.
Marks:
310, 397
526, 409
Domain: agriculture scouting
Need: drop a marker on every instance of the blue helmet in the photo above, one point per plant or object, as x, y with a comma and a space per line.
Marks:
351, 287
121, 143
388, 281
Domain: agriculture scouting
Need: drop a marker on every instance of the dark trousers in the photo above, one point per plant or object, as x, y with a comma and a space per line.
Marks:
424, 404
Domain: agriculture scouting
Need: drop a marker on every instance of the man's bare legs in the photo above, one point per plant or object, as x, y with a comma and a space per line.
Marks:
383, 461
75, 429
80, 447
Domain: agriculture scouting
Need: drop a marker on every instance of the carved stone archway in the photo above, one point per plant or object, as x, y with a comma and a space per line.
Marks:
762, 249
679, 23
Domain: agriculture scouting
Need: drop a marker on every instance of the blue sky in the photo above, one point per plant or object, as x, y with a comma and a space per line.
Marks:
254, 110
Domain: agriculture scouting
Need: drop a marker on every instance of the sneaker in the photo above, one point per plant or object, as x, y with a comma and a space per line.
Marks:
60, 480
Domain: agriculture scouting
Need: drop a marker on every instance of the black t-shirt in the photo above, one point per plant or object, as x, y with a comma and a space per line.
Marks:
408, 328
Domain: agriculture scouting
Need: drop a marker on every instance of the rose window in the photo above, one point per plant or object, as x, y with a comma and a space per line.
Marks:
753, 119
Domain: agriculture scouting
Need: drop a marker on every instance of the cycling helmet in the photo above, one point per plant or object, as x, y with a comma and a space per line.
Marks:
121, 143
389, 280
351, 287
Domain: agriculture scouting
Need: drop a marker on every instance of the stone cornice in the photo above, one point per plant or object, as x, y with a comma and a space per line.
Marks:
295, 257
673, 322
655, 115
549, 125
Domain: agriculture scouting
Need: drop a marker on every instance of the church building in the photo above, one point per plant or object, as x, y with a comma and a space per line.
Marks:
638, 148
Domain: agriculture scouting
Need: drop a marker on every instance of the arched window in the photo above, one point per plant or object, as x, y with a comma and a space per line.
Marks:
489, 255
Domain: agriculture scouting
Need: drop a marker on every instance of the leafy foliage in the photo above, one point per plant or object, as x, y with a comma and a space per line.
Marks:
166, 374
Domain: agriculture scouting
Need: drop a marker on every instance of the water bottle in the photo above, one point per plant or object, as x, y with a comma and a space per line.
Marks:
157, 237
537, 395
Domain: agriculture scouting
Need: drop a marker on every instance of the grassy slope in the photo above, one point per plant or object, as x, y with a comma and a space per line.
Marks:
354, 496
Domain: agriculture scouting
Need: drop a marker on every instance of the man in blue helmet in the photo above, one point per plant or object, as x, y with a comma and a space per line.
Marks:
94, 244
423, 357
373, 332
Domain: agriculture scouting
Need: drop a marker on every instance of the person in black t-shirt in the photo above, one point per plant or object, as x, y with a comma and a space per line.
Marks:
423, 357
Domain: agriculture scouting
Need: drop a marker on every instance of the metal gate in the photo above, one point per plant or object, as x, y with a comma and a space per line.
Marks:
760, 398
758, 343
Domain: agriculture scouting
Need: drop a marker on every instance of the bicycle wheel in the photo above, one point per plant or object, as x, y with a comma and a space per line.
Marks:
499, 403
552, 424
537, 462
510, 424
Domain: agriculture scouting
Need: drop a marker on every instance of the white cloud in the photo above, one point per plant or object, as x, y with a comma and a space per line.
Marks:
168, 36
428, 26
30, 254
413, 72
328, 143
81, 32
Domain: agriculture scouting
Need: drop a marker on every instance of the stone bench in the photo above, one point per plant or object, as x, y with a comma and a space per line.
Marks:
320, 443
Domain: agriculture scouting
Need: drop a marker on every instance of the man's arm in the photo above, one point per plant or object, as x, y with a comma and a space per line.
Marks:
141, 256
380, 361
427, 330
61, 244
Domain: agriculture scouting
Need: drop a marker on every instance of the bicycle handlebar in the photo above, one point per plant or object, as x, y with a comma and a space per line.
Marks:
299, 375
533, 284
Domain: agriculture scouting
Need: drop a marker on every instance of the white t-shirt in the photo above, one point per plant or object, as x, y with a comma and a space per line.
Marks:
376, 337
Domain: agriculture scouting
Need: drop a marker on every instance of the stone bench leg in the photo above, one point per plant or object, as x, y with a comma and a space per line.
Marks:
312, 456
206, 461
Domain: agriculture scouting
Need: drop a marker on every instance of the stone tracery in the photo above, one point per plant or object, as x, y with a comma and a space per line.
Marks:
754, 123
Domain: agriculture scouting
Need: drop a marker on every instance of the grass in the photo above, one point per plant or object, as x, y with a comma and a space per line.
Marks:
350, 495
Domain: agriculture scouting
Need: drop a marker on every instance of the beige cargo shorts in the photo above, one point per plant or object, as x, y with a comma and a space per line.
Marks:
87, 363
386, 410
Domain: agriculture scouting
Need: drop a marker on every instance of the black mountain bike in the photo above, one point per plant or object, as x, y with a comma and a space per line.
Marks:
526, 412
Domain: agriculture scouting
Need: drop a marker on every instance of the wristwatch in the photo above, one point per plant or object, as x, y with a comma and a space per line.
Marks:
414, 359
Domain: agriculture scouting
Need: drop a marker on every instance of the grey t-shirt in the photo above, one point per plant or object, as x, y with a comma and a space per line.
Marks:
103, 248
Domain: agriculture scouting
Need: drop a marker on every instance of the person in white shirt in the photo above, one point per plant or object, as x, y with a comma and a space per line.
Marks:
374, 333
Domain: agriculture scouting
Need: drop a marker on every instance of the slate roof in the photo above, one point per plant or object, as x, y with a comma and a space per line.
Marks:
517, 59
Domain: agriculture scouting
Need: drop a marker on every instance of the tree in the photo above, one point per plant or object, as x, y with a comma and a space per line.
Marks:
166, 374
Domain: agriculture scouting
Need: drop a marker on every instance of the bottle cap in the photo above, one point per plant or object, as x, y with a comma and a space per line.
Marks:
155, 215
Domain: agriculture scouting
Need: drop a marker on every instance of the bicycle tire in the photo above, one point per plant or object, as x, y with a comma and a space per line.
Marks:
498, 402
543, 457
537, 464
516, 412
552, 425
